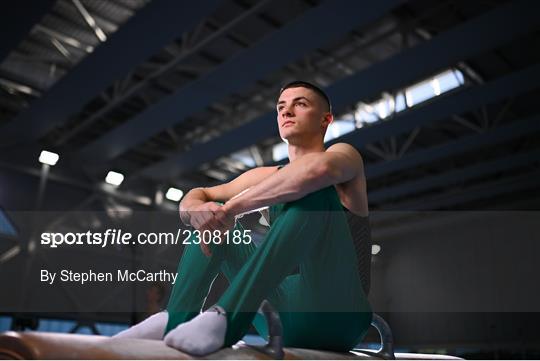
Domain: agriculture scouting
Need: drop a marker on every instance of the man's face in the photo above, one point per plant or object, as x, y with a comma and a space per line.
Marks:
301, 113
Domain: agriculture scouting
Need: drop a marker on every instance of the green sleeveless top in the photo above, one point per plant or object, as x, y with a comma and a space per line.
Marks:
360, 230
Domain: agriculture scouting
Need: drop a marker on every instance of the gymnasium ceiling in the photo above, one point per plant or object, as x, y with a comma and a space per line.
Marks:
174, 93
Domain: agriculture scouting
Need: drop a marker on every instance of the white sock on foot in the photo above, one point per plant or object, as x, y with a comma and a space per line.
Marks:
202, 335
153, 328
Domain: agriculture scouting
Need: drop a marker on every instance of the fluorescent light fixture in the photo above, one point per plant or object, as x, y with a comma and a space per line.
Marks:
49, 158
174, 194
114, 178
375, 249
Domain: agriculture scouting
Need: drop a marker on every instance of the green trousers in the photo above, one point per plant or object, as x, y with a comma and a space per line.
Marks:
322, 306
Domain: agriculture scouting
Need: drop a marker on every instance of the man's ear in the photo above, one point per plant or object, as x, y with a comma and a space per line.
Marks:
328, 118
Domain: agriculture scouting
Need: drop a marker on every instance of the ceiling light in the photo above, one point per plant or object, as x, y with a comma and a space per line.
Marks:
114, 178
174, 194
49, 158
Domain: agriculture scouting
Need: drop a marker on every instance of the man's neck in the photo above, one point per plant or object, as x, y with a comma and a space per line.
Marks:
296, 151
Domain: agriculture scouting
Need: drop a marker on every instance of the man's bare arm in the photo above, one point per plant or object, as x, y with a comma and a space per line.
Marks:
222, 192
309, 173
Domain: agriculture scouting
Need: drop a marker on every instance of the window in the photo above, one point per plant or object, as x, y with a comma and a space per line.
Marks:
408, 97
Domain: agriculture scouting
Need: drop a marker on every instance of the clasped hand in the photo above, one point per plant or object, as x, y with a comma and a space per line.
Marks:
210, 216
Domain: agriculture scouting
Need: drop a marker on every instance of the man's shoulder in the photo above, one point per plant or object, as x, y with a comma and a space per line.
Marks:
344, 148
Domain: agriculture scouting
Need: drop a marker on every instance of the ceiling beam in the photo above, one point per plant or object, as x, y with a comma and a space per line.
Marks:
146, 33
453, 177
442, 107
477, 192
270, 54
483, 33
464, 144
436, 110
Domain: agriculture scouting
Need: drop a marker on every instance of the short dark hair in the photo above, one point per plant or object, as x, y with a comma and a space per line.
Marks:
305, 84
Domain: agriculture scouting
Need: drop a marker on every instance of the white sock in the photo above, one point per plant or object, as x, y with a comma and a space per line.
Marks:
153, 328
202, 335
